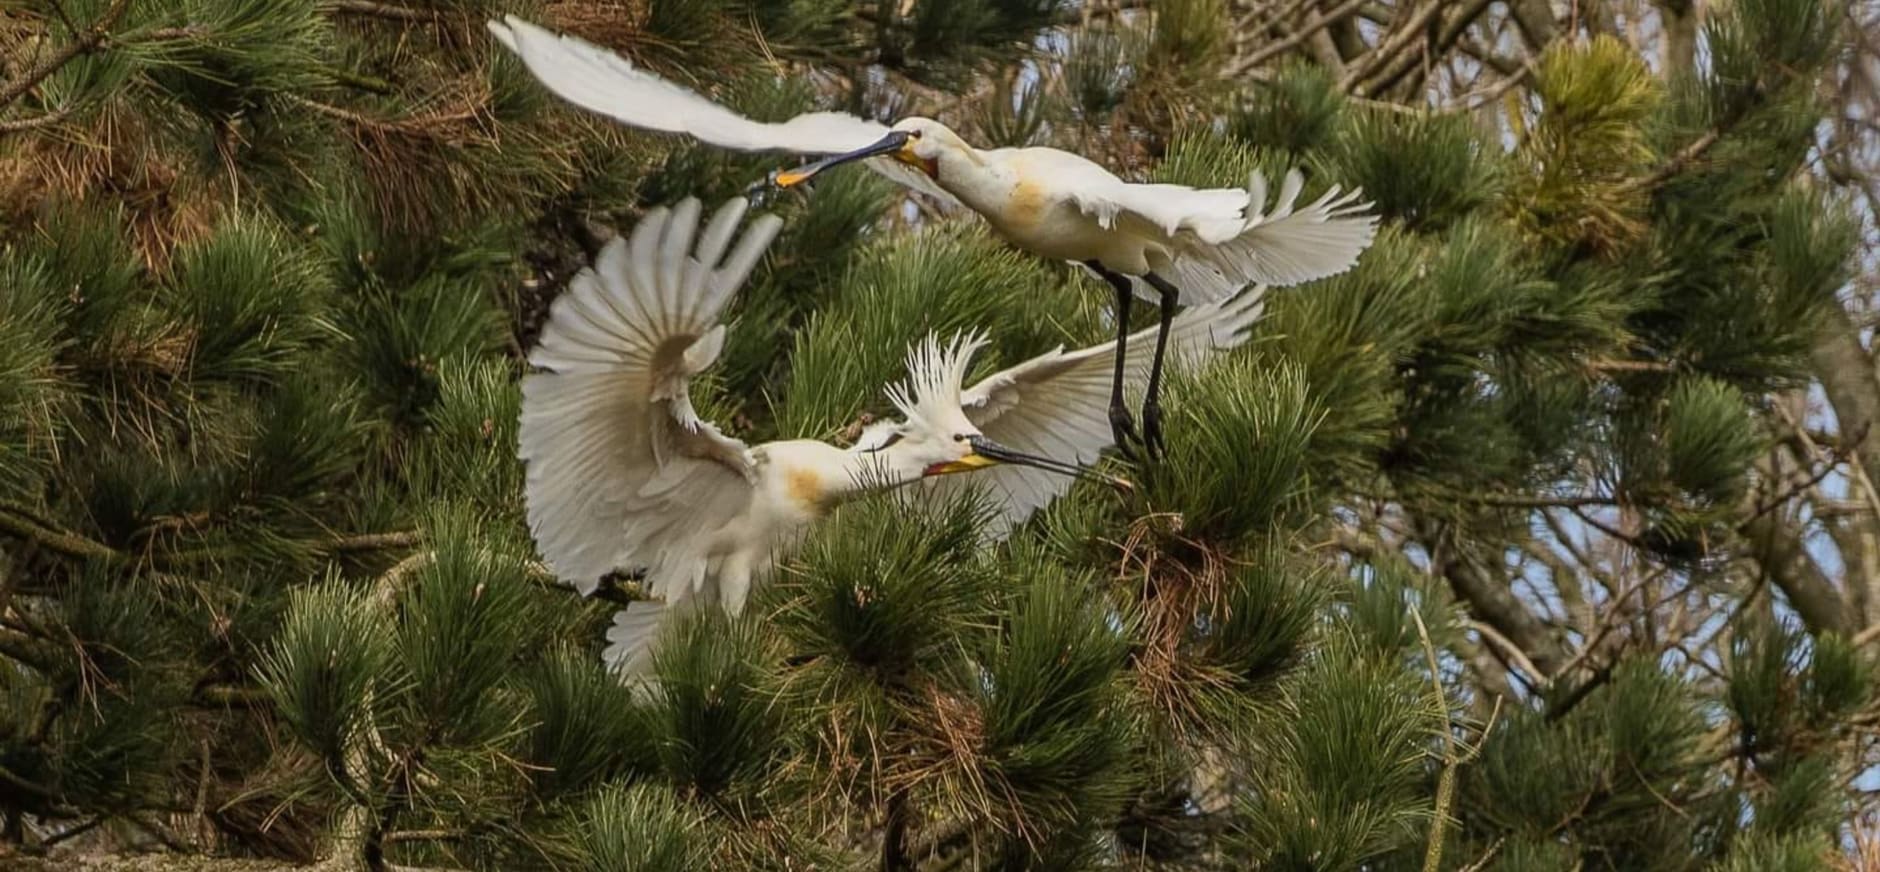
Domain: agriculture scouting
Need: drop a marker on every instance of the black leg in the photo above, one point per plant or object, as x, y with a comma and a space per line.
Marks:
1152, 402
1122, 429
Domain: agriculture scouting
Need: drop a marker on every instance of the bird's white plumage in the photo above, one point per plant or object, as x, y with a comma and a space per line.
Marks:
1209, 243
618, 462
623, 475
1057, 404
602, 81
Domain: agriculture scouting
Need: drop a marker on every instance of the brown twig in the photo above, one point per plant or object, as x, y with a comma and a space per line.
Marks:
86, 42
1293, 40
378, 10
372, 541
1675, 165
23, 523
20, 125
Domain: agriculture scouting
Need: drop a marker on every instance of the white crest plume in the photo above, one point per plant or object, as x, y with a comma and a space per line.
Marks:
930, 398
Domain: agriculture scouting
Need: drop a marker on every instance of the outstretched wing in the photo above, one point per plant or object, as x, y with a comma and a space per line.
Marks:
1057, 404
1225, 238
621, 473
600, 80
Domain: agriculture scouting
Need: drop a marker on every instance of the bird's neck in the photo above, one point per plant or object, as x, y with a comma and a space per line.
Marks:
871, 471
814, 476
968, 175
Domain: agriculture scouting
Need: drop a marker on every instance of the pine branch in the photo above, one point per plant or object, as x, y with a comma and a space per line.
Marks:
372, 542
1673, 166
86, 42
24, 524
19, 125
53, 803
378, 10
23, 649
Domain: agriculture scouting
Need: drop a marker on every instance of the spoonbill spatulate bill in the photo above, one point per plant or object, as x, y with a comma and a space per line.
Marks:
622, 474
1168, 243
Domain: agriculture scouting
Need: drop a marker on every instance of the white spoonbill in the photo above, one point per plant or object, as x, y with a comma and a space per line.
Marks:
1204, 243
623, 475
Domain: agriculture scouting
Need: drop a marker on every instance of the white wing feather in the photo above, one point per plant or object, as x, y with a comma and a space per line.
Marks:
1223, 238
621, 473
600, 80
1057, 404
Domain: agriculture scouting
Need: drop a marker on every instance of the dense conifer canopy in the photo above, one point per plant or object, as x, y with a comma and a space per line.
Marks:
1546, 538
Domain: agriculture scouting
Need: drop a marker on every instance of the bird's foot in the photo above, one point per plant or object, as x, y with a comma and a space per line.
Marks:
1152, 430
1123, 430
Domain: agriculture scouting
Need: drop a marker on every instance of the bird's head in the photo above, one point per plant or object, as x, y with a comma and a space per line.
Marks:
915, 141
935, 437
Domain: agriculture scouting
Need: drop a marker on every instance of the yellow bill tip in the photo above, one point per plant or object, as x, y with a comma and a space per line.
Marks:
788, 178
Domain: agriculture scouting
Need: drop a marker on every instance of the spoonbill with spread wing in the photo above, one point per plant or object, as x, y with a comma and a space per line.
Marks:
623, 475
1204, 243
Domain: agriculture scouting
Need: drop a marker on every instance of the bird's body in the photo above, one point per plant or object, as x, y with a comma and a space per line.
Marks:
623, 475
1157, 241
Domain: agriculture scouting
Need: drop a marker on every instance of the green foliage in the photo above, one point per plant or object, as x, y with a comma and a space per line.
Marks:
1189, 36
1760, 47
236, 53
641, 828
465, 614
1263, 625
329, 656
1786, 686
1340, 784
1587, 142
1788, 854
887, 586
248, 299
34, 393
1618, 772
1237, 463
950, 278
1707, 441
1801, 798
714, 725
584, 733
1426, 171
1056, 735
1101, 67
268, 271
1297, 112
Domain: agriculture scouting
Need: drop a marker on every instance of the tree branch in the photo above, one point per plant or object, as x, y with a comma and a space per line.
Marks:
1497, 606
86, 42
378, 10
1673, 166
20, 125
23, 523
1292, 41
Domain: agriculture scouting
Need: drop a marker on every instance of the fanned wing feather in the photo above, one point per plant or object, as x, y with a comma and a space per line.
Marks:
621, 473
1223, 239
601, 81
1057, 404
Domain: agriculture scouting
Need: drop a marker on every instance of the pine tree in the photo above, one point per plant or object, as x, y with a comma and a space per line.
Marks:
1517, 547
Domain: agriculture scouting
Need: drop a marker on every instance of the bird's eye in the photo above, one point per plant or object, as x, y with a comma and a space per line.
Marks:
959, 437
